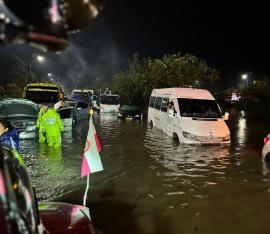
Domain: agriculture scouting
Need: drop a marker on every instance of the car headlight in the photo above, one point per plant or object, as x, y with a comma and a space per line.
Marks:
227, 138
190, 136
137, 116
119, 114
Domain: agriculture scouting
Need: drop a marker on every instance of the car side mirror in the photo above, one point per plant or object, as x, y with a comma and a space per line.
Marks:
226, 116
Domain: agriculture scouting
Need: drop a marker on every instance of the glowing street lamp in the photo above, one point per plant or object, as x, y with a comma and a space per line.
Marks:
50, 77
245, 77
36, 58
40, 58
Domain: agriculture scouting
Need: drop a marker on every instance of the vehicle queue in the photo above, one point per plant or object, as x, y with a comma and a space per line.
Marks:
188, 115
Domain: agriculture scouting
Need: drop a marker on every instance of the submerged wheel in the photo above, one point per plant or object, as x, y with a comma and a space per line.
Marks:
267, 157
175, 137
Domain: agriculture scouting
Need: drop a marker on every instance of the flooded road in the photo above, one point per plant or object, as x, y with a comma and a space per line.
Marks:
151, 184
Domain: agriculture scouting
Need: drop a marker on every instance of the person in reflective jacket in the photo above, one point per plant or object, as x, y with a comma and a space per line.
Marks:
41, 136
52, 126
9, 135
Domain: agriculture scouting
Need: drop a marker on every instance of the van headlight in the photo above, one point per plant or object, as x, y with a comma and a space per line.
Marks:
190, 136
227, 138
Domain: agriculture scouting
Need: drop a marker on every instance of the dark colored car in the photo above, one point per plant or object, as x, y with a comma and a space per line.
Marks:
22, 114
130, 111
20, 212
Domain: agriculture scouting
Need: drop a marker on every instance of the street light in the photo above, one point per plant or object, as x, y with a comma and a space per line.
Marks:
40, 58
245, 77
36, 57
50, 77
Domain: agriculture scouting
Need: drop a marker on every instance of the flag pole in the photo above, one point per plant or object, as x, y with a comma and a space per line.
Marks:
86, 191
87, 181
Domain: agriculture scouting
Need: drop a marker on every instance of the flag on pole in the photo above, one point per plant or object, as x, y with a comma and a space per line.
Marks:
91, 159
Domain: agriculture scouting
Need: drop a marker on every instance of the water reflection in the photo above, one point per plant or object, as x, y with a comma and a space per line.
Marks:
52, 170
188, 165
242, 131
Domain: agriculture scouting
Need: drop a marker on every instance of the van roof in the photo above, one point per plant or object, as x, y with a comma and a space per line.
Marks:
190, 93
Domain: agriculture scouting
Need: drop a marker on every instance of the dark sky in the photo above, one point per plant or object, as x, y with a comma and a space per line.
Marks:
232, 38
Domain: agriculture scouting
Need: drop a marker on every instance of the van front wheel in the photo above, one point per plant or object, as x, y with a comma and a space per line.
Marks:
175, 137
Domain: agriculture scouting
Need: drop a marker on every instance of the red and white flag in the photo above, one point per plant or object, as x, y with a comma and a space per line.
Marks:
91, 160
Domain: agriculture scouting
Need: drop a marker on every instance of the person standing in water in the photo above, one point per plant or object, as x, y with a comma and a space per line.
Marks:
51, 126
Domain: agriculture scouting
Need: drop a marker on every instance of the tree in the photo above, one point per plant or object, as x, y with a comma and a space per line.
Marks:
13, 90
143, 75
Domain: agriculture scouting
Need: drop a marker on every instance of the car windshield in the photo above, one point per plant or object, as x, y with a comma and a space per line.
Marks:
18, 109
110, 100
42, 96
199, 108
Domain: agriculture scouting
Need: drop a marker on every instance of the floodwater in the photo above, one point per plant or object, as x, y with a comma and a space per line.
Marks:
151, 184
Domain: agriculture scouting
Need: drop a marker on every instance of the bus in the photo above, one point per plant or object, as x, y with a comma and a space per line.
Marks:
43, 93
109, 103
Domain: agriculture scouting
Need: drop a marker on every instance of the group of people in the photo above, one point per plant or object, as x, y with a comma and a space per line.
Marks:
49, 126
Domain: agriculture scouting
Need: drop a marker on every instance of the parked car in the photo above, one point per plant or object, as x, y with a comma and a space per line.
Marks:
22, 114
129, 111
266, 148
73, 112
20, 211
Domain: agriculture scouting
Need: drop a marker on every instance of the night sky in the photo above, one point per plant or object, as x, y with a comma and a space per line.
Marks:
231, 38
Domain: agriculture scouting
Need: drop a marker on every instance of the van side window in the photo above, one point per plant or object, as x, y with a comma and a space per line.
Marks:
152, 101
164, 104
158, 103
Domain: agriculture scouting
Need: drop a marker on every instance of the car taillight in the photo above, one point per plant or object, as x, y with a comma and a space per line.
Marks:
266, 139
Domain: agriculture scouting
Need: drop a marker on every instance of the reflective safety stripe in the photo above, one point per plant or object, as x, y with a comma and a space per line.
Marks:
50, 120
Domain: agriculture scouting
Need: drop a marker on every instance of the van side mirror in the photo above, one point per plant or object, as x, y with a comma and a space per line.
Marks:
226, 116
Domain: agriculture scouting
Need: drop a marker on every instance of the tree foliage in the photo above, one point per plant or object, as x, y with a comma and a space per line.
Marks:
256, 98
14, 90
143, 75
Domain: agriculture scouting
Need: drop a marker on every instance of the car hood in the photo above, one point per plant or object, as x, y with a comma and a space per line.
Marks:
60, 217
206, 127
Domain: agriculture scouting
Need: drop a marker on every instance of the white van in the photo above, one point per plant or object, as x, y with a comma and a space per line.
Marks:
196, 117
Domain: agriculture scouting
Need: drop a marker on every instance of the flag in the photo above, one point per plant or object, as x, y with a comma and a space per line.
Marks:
91, 159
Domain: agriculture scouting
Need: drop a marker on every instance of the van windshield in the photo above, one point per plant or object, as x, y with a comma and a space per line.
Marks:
110, 100
42, 96
199, 108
